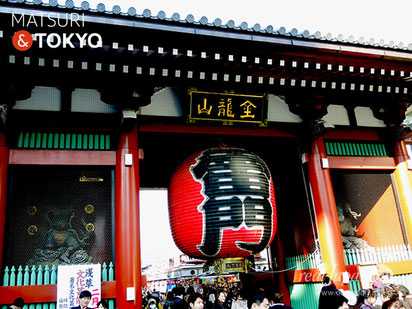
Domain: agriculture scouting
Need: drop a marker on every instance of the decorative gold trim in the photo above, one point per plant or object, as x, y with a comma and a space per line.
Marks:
89, 208
32, 229
90, 179
190, 90
90, 227
32, 210
264, 124
231, 265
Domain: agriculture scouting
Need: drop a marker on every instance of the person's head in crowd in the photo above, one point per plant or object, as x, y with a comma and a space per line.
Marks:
350, 296
170, 295
376, 281
221, 297
385, 277
393, 304
84, 298
326, 281
195, 301
190, 290
388, 292
367, 294
278, 298
179, 291
402, 291
102, 304
152, 303
259, 301
240, 295
18, 303
241, 298
155, 294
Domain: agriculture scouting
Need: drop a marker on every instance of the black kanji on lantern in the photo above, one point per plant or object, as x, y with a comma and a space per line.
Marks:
236, 186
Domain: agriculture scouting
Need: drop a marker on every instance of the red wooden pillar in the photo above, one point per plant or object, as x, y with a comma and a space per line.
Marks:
330, 238
127, 230
4, 164
403, 182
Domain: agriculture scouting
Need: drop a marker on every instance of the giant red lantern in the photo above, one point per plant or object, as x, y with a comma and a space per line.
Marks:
222, 204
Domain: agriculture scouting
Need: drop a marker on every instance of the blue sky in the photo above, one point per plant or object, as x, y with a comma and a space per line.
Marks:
378, 19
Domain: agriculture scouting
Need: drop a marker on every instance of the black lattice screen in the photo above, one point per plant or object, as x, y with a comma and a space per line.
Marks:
59, 215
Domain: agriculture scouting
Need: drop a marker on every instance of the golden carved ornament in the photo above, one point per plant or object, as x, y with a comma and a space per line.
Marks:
32, 229
32, 210
90, 227
89, 208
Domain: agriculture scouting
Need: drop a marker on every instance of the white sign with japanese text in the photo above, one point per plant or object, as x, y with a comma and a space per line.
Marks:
72, 279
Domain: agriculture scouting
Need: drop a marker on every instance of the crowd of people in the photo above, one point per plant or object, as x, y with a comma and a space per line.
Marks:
210, 297
383, 294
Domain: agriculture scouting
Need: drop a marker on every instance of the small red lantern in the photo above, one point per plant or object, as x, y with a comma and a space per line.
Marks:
167, 282
173, 282
222, 204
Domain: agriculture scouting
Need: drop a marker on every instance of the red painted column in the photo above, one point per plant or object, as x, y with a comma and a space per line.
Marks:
127, 230
330, 238
4, 164
403, 183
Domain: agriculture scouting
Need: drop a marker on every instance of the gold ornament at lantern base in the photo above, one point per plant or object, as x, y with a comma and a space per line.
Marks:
229, 265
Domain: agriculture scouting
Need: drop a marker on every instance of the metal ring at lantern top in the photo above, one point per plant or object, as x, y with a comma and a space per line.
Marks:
32, 229
89, 208
90, 227
32, 210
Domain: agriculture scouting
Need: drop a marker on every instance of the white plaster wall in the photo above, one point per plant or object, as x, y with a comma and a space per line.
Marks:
89, 101
365, 118
164, 103
42, 99
337, 115
278, 111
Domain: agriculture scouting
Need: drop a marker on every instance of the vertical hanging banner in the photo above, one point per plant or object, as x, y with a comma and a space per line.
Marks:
72, 279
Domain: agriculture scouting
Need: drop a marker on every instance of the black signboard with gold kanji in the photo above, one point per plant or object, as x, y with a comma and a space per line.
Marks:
228, 107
